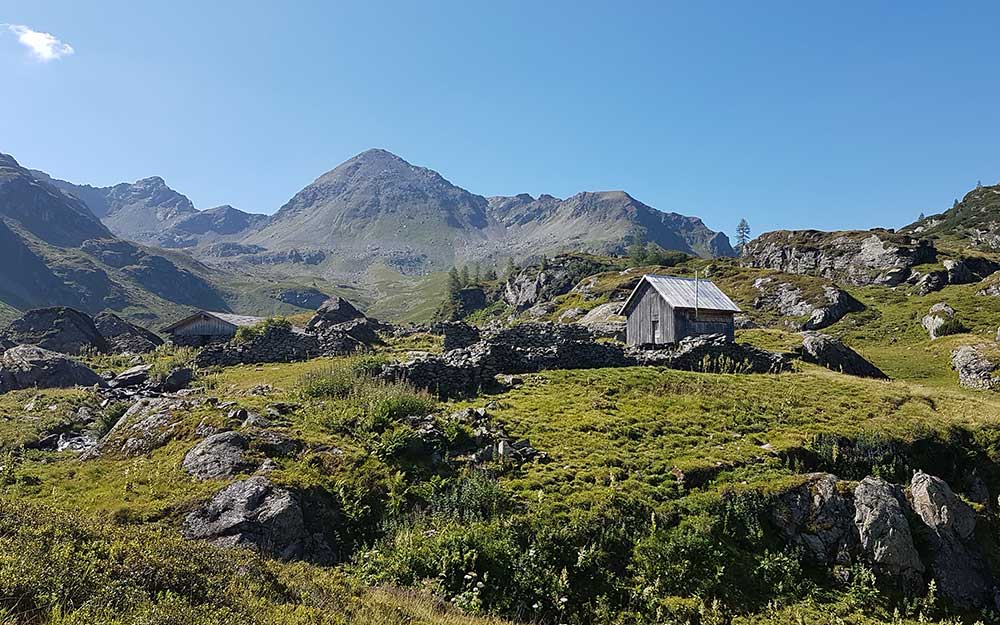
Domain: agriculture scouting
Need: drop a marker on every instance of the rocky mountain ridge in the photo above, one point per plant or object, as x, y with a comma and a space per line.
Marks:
378, 206
148, 211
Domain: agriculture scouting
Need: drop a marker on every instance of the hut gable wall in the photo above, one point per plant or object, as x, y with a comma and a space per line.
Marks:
650, 318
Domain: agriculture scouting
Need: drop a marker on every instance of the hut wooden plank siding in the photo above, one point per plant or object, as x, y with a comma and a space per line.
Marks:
204, 327
666, 309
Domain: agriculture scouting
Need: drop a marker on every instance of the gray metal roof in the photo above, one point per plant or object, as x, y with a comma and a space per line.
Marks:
236, 320
680, 293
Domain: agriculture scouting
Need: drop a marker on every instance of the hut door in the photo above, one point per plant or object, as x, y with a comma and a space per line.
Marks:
655, 330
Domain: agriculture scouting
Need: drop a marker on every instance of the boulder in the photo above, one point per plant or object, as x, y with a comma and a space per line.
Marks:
884, 534
363, 330
252, 514
177, 379
132, 377
219, 456
334, 311
603, 321
816, 518
956, 561
28, 366
58, 329
124, 337
930, 282
147, 425
975, 370
936, 317
831, 353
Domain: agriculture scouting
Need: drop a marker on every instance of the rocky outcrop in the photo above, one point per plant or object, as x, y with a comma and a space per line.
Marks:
975, 369
256, 514
884, 533
821, 309
834, 355
219, 456
936, 317
712, 353
603, 321
818, 519
956, 561
58, 329
969, 270
924, 283
558, 276
857, 257
28, 366
148, 425
124, 337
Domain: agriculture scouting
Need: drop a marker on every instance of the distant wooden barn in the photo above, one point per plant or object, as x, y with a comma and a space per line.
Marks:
666, 309
204, 327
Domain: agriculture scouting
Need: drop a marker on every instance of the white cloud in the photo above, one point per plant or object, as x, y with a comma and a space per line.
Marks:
43, 46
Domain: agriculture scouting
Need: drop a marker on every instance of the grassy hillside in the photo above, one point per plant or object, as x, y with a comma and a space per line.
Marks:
651, 505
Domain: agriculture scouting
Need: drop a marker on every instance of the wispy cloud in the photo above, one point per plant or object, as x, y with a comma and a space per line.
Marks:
43, 46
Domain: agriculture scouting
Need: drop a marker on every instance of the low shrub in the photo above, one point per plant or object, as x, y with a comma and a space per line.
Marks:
951, 326
167, 358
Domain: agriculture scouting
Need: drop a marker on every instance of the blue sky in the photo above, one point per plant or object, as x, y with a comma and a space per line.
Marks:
792, 114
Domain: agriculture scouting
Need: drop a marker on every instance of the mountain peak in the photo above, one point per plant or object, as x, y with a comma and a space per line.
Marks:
6, 160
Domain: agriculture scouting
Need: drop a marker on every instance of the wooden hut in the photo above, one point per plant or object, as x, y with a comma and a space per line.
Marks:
205, 327
666, 309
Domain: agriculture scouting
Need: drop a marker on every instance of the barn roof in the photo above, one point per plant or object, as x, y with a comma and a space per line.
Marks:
680, 293
234, 320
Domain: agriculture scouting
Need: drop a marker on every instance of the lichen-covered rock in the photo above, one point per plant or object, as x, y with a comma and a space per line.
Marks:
131, 377
217, 457
956, 561
929, 282
147, 425
603, 321
817, 518
975, 370
252, 514
535, 284
124, 337
28, 366
834, 355
884, 534
936, 317
58, 329
824, 308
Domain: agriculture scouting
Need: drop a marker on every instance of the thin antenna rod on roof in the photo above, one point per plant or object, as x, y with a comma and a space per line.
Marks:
696, 284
